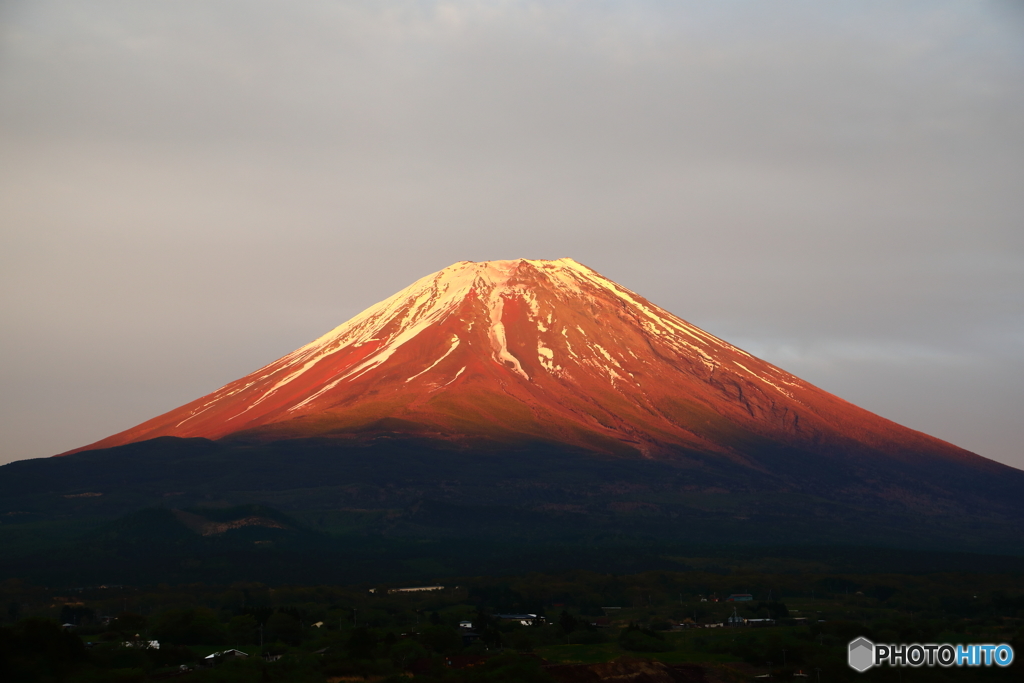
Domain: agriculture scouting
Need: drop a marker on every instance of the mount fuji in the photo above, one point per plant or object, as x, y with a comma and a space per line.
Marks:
530, 350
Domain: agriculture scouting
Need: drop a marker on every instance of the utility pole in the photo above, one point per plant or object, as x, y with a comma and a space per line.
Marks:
783, 658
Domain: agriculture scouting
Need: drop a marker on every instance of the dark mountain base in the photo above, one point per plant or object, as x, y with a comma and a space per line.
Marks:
154, 546
404, 509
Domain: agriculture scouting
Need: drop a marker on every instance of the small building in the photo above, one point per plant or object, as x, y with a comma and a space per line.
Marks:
524, 619
228, 654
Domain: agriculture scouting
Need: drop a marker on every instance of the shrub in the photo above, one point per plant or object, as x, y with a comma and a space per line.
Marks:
639, 639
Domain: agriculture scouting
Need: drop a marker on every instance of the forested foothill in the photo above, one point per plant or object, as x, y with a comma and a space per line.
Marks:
648, 627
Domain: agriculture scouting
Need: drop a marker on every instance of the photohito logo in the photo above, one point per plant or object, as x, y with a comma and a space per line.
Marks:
863, 654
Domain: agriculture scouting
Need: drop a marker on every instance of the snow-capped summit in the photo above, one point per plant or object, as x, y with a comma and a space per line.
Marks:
533, 350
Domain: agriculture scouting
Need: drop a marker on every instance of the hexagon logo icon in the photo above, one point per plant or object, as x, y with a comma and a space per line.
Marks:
862, 654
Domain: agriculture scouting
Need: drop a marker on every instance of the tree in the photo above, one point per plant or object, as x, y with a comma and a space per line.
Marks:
38, 649
777, 610
567, 622
361, 643
407, 651
487, 628
284, 627
242, 630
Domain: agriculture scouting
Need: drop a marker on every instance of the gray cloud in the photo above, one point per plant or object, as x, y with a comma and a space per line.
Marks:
189, 190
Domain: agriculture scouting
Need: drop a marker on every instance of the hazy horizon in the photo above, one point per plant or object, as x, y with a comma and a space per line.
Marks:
189, 191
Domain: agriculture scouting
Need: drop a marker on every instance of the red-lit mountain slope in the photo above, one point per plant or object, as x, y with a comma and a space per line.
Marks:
536, 350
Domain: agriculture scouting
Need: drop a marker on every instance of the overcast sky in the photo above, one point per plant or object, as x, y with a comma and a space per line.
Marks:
191, 189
